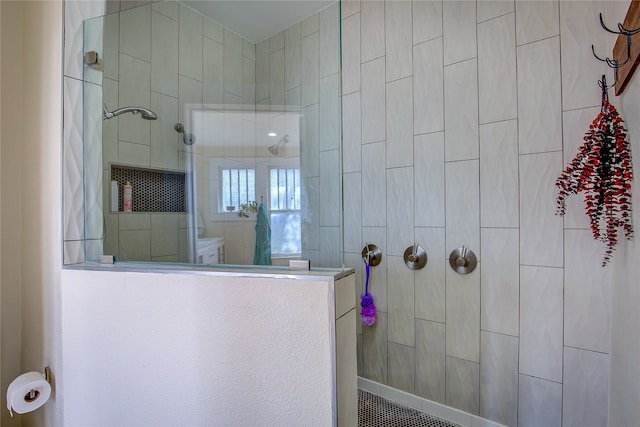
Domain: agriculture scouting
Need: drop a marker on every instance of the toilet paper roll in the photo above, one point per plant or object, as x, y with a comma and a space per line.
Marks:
27, 393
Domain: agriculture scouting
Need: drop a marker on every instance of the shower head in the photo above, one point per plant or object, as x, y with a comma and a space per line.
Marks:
273, 149
144, 113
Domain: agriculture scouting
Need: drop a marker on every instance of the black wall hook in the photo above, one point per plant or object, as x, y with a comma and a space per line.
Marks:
615, 63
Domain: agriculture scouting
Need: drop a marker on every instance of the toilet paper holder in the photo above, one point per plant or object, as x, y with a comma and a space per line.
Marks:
33, 394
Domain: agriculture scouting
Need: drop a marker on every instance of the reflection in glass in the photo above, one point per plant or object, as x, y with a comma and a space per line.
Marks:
264, 116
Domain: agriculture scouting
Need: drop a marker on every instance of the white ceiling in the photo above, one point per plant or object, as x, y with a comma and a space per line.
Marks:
257, 20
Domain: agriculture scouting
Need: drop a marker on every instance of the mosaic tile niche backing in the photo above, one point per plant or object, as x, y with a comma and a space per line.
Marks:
151, 190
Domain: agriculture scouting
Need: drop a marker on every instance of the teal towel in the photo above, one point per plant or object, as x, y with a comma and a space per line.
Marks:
262, 252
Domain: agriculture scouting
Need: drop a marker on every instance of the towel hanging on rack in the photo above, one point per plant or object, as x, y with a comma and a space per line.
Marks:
602, 169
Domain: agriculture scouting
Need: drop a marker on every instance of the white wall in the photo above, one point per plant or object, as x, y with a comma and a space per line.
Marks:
625, 293
169, 349
458, 117
31, 193
10, 243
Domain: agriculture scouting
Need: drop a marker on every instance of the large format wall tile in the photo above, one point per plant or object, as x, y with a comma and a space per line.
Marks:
134, 245
535, 393
262, 70
276, 78
249, 85
586, 293
539, 103
310, 229
399, 112
110, 127
276, 42
401, 362
428, 89
93, 182
463, 206
497, 84
430, 360
499, 378
541, 322
190, 43
330, 248
374, 200
489, 9
372, 21
399, 37
164, 55
350, 7
536, 20
330, 197
309, 69
328, 41
233, 65
585, 388
135, 32
574, 125
309, 163
500, 278
541, 239
212, 30
213, 72
463, 314
309, 25
292, 52
330, 113
111, 42
499, 174
374, 350
351, 54
399, 210
459, 30
73, 163
428, 160
373, 101
190, 98
461, 111
463, 385
352, 183
73, 252
400, 294
427, 20
430, 281
352, 132
164, 138
164, 234
579, 21
134, 89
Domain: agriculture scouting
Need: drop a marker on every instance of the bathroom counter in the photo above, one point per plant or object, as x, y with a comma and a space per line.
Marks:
147, 344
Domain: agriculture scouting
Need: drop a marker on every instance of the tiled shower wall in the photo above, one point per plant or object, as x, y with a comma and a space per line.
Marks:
165, 55
458, 117
299, 67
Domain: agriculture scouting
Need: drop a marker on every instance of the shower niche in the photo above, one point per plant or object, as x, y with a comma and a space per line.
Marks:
152, 190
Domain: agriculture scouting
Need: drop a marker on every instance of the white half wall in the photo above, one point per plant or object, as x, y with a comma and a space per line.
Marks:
184, 349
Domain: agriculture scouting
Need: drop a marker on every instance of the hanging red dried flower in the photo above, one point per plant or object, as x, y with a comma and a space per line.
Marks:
602, 169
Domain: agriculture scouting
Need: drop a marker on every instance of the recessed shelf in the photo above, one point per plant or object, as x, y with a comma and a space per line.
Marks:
153, 190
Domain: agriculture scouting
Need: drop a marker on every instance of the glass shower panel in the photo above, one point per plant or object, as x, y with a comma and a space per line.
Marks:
245, 135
